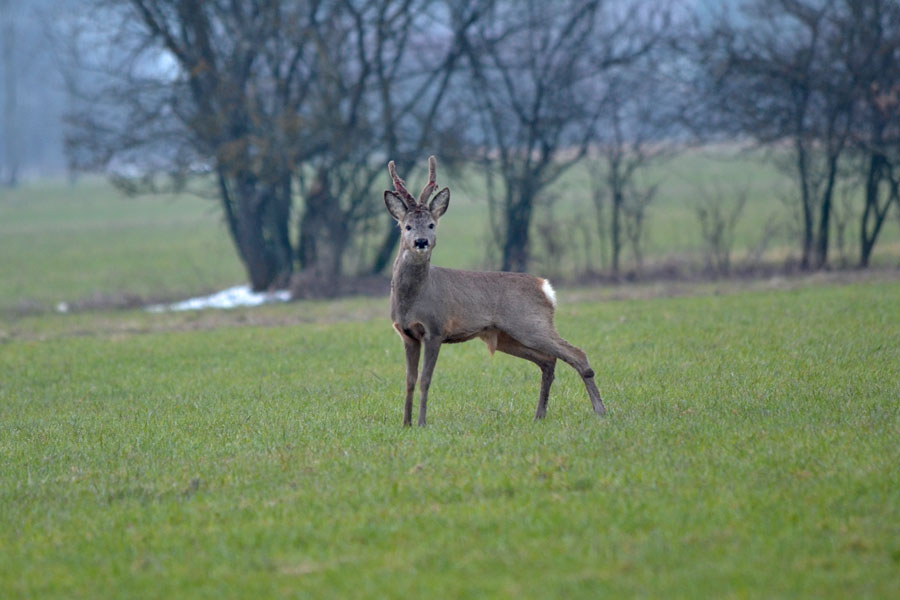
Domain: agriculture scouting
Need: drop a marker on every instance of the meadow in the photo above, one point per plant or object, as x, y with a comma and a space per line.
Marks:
89, 245
750, 448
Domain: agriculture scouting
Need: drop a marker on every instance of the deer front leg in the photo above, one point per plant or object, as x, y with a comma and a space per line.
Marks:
412, 372
432, 347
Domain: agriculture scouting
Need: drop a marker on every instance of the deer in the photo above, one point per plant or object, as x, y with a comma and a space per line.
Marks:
432, 306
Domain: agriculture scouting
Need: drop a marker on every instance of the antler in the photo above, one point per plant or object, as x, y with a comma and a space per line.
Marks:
400, 185
431, 185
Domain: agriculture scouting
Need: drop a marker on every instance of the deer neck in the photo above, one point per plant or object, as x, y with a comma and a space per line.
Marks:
409, 277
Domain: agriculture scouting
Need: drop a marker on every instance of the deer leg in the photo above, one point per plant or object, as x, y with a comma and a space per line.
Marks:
578, 359
547, 375
412, 372
547, 364
554, 345
432, 347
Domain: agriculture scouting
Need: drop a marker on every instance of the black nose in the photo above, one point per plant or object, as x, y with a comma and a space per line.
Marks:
421, 243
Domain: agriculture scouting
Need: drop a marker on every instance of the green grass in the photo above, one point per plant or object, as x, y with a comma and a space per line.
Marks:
68, 243
750, 451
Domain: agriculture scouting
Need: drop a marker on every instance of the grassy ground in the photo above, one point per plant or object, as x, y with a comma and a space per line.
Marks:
63, 243
750, 450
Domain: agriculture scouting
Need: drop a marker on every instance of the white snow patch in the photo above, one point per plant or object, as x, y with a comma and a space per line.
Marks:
549, 292
233, 297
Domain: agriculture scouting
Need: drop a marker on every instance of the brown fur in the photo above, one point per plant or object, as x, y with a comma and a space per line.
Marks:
431, 306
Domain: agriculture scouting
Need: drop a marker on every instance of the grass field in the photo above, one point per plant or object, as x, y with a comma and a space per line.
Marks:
750, 448
63, 243
88, 244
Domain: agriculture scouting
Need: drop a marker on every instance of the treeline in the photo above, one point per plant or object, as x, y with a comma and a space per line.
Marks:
32, 94
292, 109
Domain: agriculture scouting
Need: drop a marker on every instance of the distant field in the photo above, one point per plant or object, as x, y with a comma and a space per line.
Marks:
68, 243
61, 243
750, 451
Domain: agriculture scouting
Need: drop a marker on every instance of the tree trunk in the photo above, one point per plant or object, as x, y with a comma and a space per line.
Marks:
803, 171
616, 233
258, 217
825, 215
323, 239
277, 229
873, 216
519, 206
386, 249
260, 270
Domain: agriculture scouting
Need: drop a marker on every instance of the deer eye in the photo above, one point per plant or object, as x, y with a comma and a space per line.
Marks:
409, 227
431, 226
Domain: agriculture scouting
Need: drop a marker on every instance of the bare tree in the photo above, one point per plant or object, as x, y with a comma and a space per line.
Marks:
215, 88
361, 111
273, 99
641, 125
818, 77
637, 202
767, 66
9, 168
868, 47
718, 213
637, 132
536, 70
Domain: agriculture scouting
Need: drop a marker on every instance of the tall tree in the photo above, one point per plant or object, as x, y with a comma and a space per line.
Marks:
389, 66
214, 87
640, 125
9, 168
272, 98
536, 73
868, 46
774, 74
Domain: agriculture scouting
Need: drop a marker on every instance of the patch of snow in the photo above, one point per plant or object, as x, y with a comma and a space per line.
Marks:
233, 297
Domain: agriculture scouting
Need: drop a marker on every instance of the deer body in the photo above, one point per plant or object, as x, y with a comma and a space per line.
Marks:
430, 306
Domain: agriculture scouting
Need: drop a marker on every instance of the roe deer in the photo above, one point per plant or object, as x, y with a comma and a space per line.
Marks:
511, 312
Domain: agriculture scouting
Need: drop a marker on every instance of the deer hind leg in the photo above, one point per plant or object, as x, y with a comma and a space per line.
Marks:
412, 372
551, 343
547, 364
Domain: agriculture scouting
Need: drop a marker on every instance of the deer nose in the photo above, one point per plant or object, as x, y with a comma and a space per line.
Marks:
421, 243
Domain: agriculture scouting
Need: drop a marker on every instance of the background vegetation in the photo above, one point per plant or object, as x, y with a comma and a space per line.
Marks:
90, 245
286, 113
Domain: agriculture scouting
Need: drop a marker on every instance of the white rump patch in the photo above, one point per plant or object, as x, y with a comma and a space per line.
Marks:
549, 292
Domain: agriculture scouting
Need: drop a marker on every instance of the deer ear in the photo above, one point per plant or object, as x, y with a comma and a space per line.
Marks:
395, 205
439, 203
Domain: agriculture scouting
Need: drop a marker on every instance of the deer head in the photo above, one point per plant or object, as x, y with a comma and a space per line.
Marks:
417, 218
